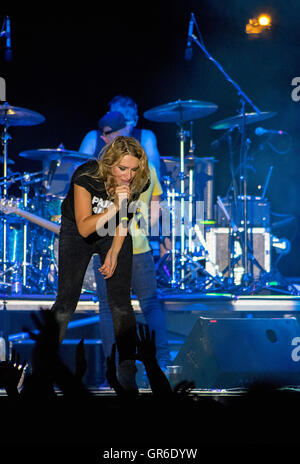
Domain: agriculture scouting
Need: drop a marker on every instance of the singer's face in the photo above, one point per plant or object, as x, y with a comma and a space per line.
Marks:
125, 170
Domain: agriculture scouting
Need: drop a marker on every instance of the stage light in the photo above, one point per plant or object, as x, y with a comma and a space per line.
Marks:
264, 20
259, 24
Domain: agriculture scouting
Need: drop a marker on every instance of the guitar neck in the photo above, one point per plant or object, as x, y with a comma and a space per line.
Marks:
49, 225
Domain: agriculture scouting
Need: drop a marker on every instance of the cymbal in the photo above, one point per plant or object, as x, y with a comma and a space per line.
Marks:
15, 116
54, 154
9, 161
180, 111
188, 158
236, 121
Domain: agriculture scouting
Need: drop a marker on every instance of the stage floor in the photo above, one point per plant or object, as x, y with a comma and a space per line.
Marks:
182, 309
171, 301
214, 394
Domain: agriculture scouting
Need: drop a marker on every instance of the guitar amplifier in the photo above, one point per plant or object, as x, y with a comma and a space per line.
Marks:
258, 212
217, 241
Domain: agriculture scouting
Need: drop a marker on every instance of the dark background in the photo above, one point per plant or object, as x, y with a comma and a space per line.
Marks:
69, 62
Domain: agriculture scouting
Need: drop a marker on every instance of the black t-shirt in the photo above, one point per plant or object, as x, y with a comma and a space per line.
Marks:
99, 197
94, 186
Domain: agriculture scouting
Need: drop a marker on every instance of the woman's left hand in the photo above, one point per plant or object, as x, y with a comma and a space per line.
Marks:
110, 264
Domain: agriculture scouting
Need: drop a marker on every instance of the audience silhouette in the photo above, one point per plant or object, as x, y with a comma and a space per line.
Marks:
51, 405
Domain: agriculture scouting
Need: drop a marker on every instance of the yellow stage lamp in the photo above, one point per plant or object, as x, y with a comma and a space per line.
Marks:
264, 20
258, 25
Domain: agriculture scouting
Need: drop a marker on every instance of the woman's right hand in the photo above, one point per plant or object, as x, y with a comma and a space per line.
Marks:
110, 263
122, 192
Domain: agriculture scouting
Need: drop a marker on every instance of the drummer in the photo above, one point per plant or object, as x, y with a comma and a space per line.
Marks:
95, 140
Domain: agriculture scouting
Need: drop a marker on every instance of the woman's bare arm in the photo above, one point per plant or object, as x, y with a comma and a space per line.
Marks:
86, 222
110, 263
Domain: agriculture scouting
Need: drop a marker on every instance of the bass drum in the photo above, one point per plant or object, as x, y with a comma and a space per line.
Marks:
89, 283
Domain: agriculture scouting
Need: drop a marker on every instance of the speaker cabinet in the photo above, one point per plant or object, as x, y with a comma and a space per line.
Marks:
217, 240
228, 353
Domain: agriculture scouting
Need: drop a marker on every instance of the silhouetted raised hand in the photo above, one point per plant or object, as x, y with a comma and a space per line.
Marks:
146, 348
45, 356
48, 369
111, 372
146, 352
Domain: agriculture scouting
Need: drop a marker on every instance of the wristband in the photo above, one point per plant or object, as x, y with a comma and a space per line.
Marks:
124, 221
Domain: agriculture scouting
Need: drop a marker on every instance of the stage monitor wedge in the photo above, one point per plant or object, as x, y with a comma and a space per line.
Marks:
237, 352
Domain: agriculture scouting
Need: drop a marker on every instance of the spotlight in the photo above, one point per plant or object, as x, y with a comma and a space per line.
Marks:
264, 20
258, 25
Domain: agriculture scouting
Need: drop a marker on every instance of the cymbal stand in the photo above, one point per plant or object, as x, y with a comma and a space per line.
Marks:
177, 275
25, 190
191, 191
182, 206
4, 139
170, 255
243, 190
182, 176
232, 235
190, 211
191, 142
172, 196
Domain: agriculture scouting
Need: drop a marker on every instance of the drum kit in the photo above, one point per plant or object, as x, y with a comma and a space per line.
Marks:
29, 227
28, 253
189, 198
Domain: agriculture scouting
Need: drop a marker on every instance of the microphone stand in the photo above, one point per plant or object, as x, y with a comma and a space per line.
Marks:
243, 148
240, 92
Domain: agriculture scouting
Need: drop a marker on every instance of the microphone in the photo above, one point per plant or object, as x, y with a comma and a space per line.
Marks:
261, 131
8, 50
188, 50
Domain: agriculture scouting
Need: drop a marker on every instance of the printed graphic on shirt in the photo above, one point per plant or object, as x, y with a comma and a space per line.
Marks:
99, 205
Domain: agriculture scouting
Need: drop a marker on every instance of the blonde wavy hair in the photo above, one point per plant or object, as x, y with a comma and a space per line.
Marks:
112, 154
